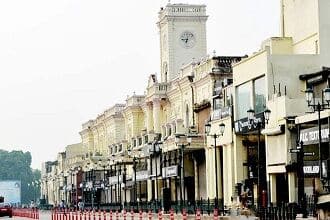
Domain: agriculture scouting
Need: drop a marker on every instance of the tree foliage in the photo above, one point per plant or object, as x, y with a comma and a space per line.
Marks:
16, 165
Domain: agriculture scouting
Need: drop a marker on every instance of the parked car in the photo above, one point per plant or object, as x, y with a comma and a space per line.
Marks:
6, 210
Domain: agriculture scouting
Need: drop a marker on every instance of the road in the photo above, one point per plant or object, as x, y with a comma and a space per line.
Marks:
42, 216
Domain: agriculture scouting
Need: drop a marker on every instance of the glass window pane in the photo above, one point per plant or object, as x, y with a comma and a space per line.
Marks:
260, 95
217, 103
243, 100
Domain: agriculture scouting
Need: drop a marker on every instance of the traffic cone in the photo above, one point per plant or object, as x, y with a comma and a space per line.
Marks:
104, 215
132, 214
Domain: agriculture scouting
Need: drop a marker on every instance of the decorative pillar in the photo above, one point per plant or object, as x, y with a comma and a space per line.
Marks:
272, 180
292, 187
156, 115
148, 117
196, 179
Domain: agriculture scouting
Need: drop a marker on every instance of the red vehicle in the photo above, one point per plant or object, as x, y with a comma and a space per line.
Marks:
6, 210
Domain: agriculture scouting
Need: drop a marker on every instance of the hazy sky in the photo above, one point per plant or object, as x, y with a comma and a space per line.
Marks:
63, 62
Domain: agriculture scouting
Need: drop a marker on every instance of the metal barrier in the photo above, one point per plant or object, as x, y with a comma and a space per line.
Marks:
205, 206
282, 212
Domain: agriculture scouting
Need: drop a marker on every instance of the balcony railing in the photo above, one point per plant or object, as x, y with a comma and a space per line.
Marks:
158, 89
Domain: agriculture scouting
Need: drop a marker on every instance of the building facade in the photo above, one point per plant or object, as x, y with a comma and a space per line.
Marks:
210, 128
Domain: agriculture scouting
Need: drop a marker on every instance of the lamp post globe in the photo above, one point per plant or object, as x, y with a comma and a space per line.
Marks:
309, 95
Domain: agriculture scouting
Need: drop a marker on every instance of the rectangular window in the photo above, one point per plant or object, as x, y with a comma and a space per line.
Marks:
243, 100
259, 95
217, 103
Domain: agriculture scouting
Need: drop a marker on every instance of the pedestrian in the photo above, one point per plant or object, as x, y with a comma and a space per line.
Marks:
81, 205
62, 204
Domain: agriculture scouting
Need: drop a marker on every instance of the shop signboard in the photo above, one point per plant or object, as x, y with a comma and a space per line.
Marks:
113, 180
311, 135
221, 113
170, 171
243, 126
311, 168
142, 175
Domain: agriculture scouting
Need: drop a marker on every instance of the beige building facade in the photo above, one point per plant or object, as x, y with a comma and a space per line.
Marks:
155, 147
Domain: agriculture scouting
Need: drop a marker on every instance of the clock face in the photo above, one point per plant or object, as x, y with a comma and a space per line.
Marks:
187, 39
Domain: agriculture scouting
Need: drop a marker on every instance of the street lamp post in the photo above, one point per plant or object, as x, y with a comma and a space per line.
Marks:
155, 150
76, 172
92, 179
129, 151
259, 124
182, 144
318, 107
104, 182
215, 136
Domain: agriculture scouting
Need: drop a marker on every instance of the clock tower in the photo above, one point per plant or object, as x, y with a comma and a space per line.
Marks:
182, 37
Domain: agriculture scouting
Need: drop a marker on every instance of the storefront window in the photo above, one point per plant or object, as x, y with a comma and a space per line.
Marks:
243, 100
259, 95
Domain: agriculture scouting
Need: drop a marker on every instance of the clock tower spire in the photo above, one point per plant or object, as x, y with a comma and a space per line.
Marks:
182, 37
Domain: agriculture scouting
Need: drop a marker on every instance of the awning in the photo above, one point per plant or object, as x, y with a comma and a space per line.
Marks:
323, 199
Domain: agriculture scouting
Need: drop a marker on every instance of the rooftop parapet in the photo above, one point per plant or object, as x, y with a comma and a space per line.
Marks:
182, 10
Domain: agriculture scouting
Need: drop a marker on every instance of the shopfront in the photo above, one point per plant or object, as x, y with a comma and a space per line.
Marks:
314, 156
254, 186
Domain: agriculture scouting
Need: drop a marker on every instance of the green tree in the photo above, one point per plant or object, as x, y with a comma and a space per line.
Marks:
16, 165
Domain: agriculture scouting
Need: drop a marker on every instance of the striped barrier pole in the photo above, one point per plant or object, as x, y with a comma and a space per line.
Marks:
171, 214
160, 215
117, 215
184, 214
198, 214
124, 214
149, 215
140, 214
215, 214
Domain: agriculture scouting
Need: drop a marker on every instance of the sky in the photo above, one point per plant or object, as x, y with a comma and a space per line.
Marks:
64, 62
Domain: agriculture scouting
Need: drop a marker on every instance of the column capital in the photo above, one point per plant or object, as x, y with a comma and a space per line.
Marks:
156, 102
